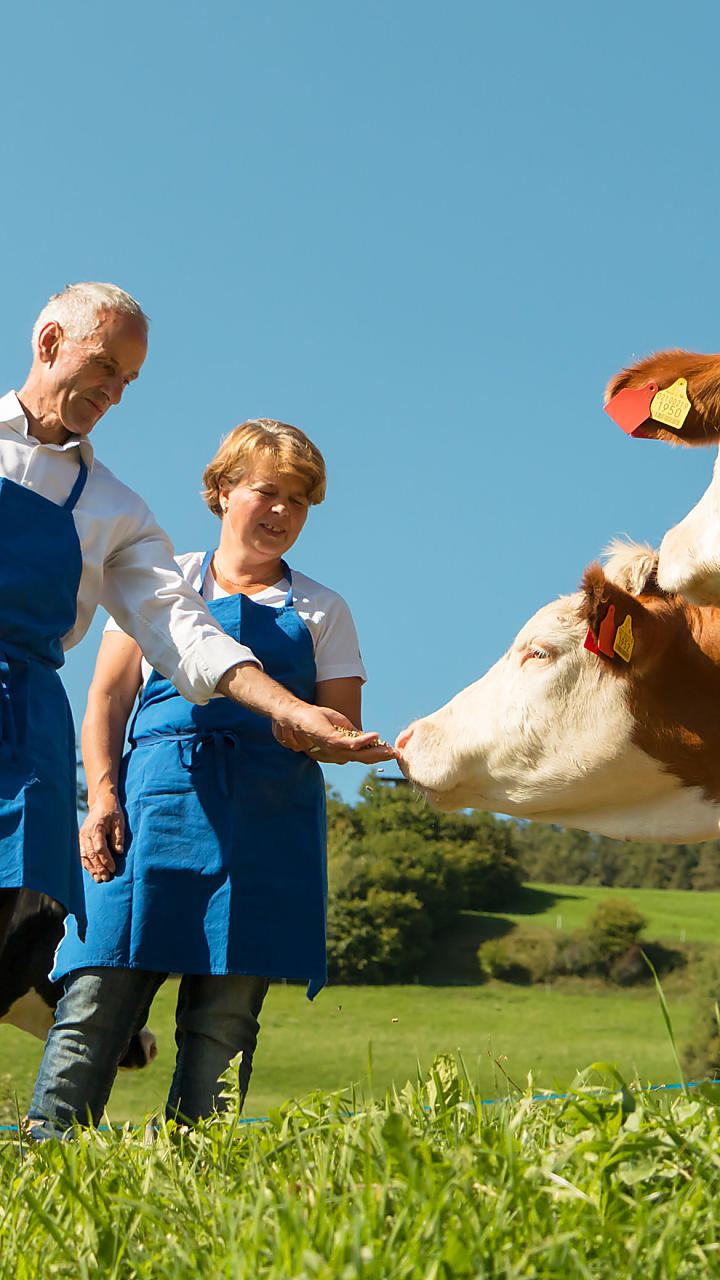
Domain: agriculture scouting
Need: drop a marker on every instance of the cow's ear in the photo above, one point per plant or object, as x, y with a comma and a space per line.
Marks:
621, 629
671, 395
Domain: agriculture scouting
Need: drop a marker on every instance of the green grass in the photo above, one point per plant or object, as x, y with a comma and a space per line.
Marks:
423, 1184
673, 915
551, 1032
324, 1045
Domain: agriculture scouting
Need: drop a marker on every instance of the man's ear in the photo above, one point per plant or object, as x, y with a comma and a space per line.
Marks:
671, 395
48, 342
621, 629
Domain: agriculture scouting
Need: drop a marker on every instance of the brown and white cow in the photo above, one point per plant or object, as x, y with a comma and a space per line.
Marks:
626, 745
689, 560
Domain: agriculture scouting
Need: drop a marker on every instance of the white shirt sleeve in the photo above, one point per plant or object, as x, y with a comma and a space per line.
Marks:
150, 599
324, 612
330, 622
337, 651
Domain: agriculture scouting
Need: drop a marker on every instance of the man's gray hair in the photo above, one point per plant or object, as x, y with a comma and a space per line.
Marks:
78, 309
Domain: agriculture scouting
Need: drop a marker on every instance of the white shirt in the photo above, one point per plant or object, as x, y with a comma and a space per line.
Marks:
128, 565
325, 614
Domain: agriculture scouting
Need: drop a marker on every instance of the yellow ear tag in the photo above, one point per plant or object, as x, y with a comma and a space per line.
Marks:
671, 407
624, 642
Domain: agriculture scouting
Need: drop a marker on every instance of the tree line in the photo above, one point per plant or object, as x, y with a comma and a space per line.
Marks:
401, 875
549, 854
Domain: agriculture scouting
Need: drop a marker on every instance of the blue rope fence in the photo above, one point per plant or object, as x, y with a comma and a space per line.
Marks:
485, 1102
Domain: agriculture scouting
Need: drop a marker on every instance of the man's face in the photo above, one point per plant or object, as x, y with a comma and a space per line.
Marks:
82, 379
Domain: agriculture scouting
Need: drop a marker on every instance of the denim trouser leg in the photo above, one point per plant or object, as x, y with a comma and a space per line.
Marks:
217, 1016
94, 1020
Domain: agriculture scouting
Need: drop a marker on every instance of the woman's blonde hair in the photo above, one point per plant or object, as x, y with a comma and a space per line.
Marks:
264, 439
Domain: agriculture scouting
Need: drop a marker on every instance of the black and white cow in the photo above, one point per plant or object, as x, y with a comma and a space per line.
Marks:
27, 996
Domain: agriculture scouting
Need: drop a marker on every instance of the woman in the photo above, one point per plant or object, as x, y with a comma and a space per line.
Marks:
218, 830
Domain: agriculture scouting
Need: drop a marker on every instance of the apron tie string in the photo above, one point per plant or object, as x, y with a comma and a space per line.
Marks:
223, 743
8, 731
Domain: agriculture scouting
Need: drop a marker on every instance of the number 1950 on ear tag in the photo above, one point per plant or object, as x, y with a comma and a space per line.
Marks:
671, 406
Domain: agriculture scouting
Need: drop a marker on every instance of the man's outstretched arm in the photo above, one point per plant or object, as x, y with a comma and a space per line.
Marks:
300, 725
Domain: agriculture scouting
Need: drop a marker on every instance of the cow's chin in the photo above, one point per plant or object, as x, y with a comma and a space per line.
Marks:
688, 564
698, 586
438, 791
449, 801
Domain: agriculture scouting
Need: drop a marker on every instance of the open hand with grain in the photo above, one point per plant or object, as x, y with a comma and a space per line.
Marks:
363, 747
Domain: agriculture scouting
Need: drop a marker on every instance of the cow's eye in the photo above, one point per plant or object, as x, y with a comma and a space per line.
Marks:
534, 651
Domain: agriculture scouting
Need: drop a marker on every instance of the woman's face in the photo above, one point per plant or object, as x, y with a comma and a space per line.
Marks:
265, 512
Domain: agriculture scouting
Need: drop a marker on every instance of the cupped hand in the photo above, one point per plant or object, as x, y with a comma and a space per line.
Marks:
102, 834
329, 736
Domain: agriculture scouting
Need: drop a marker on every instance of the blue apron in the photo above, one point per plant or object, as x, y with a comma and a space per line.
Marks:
40, 570
224, 868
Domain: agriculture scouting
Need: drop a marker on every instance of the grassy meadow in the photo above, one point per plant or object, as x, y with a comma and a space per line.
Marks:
673, 915
388, 1163
551, 1031
424, 1183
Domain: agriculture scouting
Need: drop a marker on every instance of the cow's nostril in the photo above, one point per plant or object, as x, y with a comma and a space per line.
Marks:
403, 738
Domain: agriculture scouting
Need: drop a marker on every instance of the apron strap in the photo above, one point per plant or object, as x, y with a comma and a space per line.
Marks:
77, 488
204, 568
288, 575
206, 565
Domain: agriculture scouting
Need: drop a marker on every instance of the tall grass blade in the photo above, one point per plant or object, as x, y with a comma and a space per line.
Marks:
667, 1019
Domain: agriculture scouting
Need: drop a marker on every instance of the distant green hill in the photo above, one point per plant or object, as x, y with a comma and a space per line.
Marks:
673, 915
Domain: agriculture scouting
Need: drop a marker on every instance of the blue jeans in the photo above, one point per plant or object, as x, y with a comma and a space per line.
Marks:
216, 1017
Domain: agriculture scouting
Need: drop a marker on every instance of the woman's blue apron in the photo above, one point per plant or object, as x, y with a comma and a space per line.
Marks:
40, 570
225, 862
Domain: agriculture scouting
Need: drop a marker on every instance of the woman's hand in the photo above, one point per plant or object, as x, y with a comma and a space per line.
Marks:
101, 835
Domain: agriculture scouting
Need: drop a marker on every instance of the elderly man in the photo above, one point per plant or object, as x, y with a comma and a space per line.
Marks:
73, 536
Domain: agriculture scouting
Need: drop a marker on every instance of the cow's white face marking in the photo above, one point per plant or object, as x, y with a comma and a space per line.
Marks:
30, 1013
546, 734
690, 552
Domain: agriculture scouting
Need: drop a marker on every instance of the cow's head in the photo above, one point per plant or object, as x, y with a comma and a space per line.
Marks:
634, 398
689, 562
558, 731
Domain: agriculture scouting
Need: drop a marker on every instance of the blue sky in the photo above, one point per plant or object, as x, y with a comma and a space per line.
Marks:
426, 234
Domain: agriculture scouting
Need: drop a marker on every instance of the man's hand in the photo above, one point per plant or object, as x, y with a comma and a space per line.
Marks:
331, 738
299, 725
102, 834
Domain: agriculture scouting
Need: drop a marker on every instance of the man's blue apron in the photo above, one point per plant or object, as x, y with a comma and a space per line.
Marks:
40, 570
225, 862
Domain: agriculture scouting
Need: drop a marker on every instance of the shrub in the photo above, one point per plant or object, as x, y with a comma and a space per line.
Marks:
577, 953
380, 937
629, 968
524, 956
614, 927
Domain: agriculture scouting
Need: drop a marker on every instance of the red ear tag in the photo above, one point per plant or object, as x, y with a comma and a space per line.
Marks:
631, 407
589, 643
606, 633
